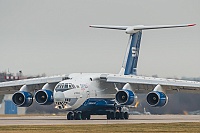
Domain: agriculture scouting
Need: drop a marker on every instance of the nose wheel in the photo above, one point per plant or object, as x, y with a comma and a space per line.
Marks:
70, 116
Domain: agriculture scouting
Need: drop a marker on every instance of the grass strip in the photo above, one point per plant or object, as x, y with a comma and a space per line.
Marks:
107, 128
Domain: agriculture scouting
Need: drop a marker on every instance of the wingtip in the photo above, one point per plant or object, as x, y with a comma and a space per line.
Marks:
191, 24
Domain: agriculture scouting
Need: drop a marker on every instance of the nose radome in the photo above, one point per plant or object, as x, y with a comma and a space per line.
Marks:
59, 97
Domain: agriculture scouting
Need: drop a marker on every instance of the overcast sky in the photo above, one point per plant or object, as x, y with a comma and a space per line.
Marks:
53, 36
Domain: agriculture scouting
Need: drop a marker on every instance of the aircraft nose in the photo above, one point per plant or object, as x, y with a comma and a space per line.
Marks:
59, 96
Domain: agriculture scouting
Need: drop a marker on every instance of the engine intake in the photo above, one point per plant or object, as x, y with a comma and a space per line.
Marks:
22, 99
157, 99
44, 97
124, 97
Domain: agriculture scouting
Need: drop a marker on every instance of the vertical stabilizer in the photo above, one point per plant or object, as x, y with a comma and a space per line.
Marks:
132, 53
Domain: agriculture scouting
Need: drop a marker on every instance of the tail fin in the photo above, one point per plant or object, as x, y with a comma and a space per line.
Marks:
129, 66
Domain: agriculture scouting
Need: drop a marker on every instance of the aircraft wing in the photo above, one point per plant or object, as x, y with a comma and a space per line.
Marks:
143, 84
33, 84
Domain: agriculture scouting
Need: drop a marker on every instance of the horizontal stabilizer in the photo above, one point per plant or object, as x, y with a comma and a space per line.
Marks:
136, 28
162, 26
110, 27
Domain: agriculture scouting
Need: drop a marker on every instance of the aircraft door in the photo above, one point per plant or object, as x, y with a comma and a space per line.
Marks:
88, 94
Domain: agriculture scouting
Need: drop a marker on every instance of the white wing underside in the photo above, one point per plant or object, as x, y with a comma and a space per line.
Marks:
140, 84
33, 84
143, 84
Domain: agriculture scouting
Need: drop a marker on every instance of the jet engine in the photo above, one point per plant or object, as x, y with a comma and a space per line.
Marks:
157, 99
44, 97
22, 99
125, 97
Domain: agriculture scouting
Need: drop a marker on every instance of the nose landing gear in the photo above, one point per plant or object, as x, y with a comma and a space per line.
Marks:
70, 116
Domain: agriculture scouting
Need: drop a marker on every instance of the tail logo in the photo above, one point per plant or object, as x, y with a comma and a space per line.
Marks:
134, 52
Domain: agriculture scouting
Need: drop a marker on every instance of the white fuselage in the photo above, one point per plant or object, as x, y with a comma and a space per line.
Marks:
72, 93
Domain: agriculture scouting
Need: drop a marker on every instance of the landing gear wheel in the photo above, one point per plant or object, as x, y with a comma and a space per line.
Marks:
121, 115
83, 115
117, 116
108, 116
70, 116
88, 116
112, 115
77, 116
126, 115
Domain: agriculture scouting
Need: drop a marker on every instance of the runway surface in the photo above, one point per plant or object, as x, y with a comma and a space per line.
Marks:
61, 120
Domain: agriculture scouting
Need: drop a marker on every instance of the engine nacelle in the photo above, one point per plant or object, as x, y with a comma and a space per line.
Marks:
125, 97
157, 99
44, 97
22, 99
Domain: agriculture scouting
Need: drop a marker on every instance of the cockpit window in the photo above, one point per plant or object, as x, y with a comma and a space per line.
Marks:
64, 86
73, 86
69, 85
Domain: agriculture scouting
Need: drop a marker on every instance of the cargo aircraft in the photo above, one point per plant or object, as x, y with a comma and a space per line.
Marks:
86, 94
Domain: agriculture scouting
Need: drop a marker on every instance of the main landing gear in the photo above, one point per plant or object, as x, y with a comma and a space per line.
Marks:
117, 115
78, 116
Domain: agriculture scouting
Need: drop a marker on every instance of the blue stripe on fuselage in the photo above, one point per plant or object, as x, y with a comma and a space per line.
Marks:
96, 104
